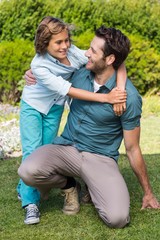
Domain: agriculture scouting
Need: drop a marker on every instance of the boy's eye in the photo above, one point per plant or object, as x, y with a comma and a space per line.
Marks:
59, 42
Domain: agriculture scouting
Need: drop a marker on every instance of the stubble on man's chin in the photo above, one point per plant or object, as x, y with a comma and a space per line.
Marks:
93, 69
88, 67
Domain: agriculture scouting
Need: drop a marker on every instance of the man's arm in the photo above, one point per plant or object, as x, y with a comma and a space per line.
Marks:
131, 141
29, 78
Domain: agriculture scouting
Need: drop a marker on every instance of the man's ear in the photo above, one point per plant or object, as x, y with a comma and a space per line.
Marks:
110, 59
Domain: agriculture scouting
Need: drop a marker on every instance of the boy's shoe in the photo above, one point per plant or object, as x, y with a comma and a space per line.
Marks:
32, 214
71, 203
19, 197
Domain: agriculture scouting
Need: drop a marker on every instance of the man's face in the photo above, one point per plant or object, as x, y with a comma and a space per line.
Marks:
96, 60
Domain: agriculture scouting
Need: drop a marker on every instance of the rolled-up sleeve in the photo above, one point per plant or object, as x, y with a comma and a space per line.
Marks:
131, 118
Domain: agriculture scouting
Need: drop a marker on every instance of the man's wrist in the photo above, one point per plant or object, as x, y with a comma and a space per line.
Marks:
148, 194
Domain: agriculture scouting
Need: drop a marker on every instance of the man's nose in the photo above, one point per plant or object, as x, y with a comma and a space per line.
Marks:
87, 54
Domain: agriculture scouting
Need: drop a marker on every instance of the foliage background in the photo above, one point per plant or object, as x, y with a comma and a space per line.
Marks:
138, 19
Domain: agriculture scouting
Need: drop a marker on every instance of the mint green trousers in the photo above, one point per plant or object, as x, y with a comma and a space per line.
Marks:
36, 129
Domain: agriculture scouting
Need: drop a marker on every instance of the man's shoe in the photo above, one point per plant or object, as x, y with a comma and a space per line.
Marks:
86, 198
32, 214
71, 203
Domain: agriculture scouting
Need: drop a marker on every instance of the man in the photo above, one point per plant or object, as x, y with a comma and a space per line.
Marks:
88, 147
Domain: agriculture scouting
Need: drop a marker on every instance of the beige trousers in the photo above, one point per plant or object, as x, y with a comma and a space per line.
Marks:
48, 166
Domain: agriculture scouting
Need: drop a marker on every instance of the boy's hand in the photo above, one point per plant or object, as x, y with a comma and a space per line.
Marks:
116, 96
119, 108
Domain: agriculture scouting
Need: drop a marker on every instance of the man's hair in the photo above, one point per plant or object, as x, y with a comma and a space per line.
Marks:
48, 26
115, 43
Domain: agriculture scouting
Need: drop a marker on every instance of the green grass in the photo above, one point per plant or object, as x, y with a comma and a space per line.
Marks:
145, 225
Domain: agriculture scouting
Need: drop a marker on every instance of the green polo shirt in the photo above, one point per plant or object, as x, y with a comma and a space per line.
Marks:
94, 127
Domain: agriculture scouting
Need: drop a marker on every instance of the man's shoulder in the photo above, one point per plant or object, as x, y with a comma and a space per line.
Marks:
131, 89
134, 99
82, 72
79, 77
131, 117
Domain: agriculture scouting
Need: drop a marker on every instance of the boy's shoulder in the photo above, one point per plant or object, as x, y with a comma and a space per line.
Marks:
43, 60
37, 60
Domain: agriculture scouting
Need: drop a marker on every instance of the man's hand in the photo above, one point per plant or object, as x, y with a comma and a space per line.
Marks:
29, 78
149, 201
131, 141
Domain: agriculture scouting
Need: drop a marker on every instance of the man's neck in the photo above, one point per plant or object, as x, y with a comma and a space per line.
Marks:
103, 77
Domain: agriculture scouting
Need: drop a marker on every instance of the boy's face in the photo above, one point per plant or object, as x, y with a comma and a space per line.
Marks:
58, 45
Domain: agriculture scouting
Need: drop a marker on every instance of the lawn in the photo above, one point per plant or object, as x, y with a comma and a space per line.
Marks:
145, 225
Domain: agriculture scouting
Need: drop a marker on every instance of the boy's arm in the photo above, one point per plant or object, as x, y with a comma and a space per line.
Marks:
119, 108
115, 96
121, 77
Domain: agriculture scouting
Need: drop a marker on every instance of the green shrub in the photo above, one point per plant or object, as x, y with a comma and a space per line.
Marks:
83, 40
15, 58
143, 65
19, 18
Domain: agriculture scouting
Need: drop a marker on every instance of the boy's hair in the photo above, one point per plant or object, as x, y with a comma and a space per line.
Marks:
115, 43
48, 26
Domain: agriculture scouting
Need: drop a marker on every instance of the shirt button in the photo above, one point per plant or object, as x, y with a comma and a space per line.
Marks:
54, 99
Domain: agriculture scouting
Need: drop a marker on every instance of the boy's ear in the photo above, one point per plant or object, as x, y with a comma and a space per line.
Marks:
110, 59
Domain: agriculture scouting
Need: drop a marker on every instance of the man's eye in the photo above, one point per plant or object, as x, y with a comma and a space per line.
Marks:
93, 51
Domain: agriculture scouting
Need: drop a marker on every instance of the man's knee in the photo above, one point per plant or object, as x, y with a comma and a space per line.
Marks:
26, 173
115, 220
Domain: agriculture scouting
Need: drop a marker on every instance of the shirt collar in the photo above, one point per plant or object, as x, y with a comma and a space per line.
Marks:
110, 84
51, 58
